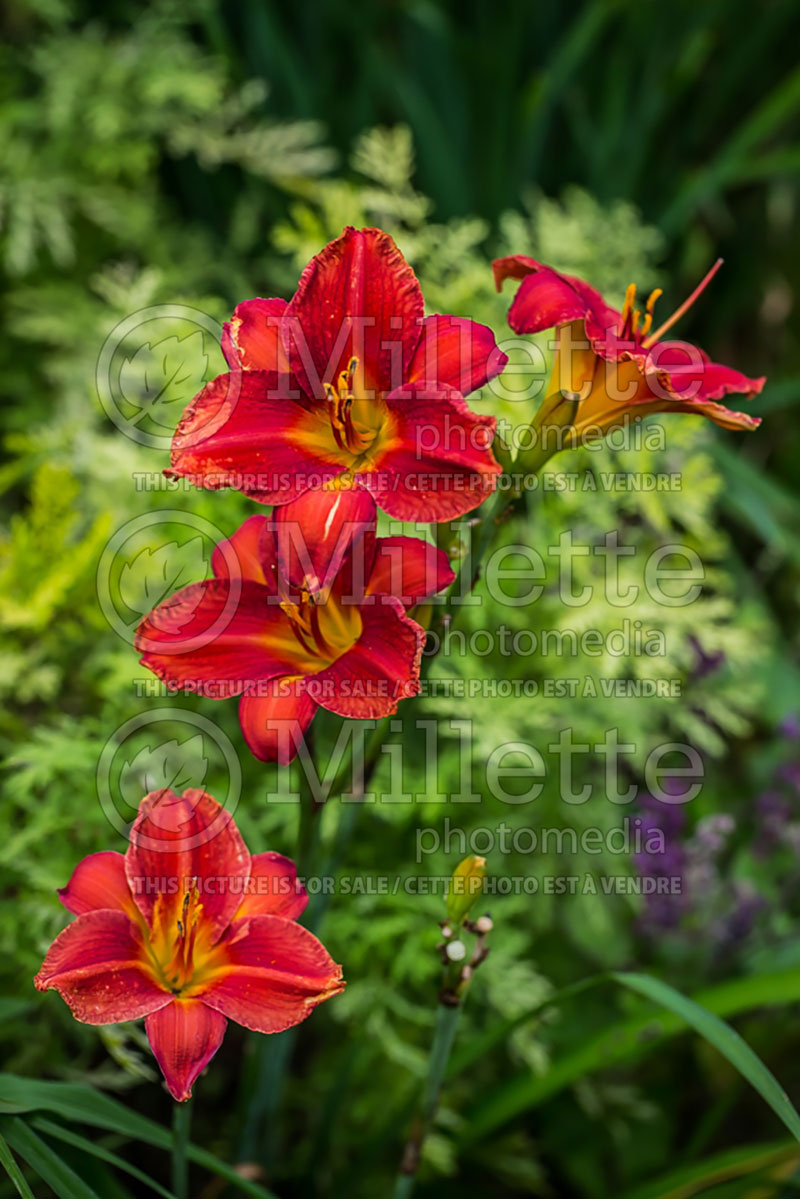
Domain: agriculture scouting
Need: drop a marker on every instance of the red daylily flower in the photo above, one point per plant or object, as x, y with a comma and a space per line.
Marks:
189, 931
319, 618
611, 362
348, 384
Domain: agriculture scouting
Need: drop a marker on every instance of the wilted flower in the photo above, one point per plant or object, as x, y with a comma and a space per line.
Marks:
318, 617
612, 367
189, 931
348, 384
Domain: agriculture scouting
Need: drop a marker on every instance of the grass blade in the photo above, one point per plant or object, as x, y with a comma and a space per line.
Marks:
623, 1041
722, 1167
75, 1102
45, 1161
13, 1171
724, 1038
50, 1129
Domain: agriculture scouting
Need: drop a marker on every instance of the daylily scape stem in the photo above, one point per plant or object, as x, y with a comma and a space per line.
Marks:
181, 1124
447, 1020
466, 885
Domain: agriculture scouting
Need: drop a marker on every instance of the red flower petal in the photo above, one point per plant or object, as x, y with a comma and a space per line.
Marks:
96, 965
514, 266
694, 377
381, 668
438, 464
184, 1036
458, 352
357, 297
252, 336
98, 883
175, 839
547, 298
246, 430
274, 888
726, 418
279, 973
273, 724
350, 584
665, 377
208, 640
316, 532
248, 554
410, 569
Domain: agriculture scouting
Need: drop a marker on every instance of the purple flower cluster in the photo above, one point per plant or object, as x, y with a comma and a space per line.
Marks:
706, 904
664, 909
778, 806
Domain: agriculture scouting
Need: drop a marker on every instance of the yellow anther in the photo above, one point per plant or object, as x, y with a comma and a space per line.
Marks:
651, 299
345, 383
630, 296
637, 316
311, 590
648, 320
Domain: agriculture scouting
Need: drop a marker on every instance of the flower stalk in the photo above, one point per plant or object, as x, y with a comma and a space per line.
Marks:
181, 1124
447, 1019
459, 970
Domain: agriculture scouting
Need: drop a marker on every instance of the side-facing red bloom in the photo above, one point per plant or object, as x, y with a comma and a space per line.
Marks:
189, 931
612, 362
348, 383
319, 617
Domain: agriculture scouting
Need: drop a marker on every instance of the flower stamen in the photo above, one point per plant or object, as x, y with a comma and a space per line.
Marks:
348, 437
627, 310
682, 308
651, 299
301, 621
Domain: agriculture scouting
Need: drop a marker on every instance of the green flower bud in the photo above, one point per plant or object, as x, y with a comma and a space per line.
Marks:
466, 885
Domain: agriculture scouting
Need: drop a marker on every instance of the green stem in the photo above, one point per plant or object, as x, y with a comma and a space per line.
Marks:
308, 830
308, 819
493, 513
446, 1023
181, 1123
447, 1018
273, 1053
372, 751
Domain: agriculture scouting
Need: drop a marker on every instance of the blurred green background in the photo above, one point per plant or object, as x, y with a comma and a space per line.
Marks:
199, 155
